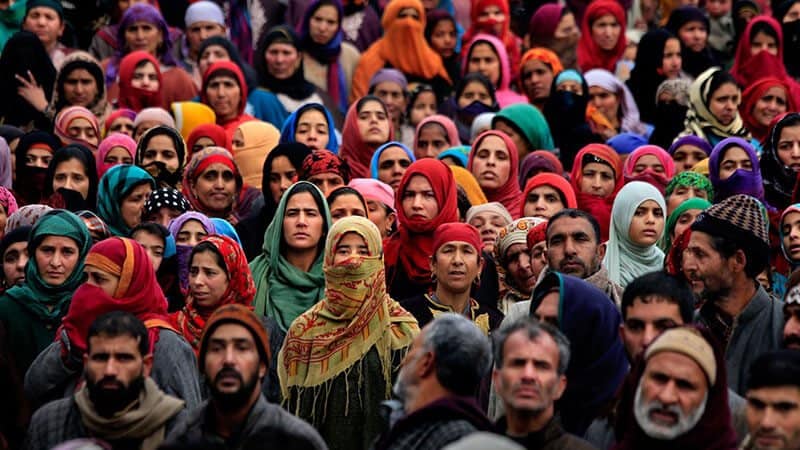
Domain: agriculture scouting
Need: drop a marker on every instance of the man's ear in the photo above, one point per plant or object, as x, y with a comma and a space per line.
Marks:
147, 363
601, 251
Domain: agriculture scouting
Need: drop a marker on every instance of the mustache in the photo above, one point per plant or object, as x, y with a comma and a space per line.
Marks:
105, 381
791, 339
226, 372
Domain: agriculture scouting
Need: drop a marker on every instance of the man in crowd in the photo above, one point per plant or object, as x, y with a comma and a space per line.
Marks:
119, 402
437, 384
203, 19
773, 401
234, 358
728, 248
531, 361
791, 315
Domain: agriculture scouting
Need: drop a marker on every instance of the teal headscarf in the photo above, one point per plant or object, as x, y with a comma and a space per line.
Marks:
115, 185
530, 122
672, 220
283, 291
48, 302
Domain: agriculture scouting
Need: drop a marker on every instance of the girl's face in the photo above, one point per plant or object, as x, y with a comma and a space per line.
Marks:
790, 227
71, 174
118, 155
537, 77
694, 35
212, 54
597, 179
606, 102
567, 27
724, 103
351, 245
770, 105
302, 223
323, 24
122, 125
474, 91
683, 193
144, 36
282, 175
789, 147
733, 159
153, 245
424, 106
82, 129
647, 224
431, 140
671, 61
373, 123
443, 38
491, 164
763, 42
207, 280
312, 129
418, 199
346, 205
543, 201
647, 162
686, 157
191, 233
145, 77
606, 31
685, 220
392, 165
483, 59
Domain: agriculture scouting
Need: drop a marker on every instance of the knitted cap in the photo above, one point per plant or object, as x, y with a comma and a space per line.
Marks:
688, 343
242, 315
736, 217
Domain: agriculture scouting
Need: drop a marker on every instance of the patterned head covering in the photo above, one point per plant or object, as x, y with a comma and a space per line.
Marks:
699, 119
7, 201
514, 233
165, 198
97, 228
692, 179
68, 115
324, 161
198, 164
26, 216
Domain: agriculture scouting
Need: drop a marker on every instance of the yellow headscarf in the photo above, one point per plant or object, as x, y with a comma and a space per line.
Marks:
189, 115
259, 139
467, 181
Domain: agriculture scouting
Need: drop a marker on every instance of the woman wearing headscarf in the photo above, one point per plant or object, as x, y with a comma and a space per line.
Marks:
537, 69
526, 127
443, 35
474, 96
565, 112
389, 162
77, 125
213, 185
187, 230
496, 24
163, 205
280, 171
120, 121
366, 128
89, 92
404, 48
329, 61
469, 187
485, 47
32, 311
681, 218
121, 196
115, 149
252, 142
687, 151
206, 135
140, 82
637, 224
433, 135
71, 180
763, 101
219, 92
710, 120
408, 251
602, 41
538, 192
339, 358
733, 168
326, 171
540, 161
494, 161
288, 273
691, 26
760, 54
596, 178
686, 185
779, 165
306, 127
615, 102
553, 26
162, 153
658, 58
789, 232
651, 164
33, 155
24, 65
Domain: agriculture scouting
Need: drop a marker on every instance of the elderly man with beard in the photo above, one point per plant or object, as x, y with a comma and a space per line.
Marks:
234, 357
791, 315
676, 397
119, 402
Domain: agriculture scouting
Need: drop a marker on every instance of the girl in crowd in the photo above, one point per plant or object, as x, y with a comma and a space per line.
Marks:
390, 162
614, 102
120, 121
434, 135
140, 82
379, 198
312, 125
538, 68
252, 142
713, 109
425, 199
345, 201
162, 152
790, 235
602, 41
121, 196
288, 273
658, 58
187, 230
687, 151
206, 135
77, 125
489, 219
115, 149
442, 35
526, 127
422, 103
637, 225
681, 218
554, 27
596, 178
565, 112
691, 26
494, 162
762, 102
163, 205
651, 164
540, 161
72, 175
149, 118
493, 17
780, 160
225, 91
760, 54
733, 168
487, 55
81, 82
366, 128
33, 155
14, 254
686, 185
546, 194
474, 95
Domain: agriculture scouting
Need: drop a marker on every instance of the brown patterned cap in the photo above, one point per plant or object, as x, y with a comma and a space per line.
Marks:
742, 212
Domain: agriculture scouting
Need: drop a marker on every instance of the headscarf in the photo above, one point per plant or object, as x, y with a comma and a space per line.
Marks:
8, 202
694, 63
752, 94
296, 86
230, 69
480, 123
543, 55
290, 126
402, 47
211, 131
26, 216
510, 41
597, 363
158, 170
159, 115
466, 181
537, 162
224, 228
505, 96
98, 229
70, 114
296, 153
191, 319
183, 252
5, 164
327, 54
283, 291
259, 139
659, 180
447, 124
354, 150
693, 179
191, 115
137, 293
625, 260
790, 209
49, 302
355, 315
23, 52
542, 29
29, 184
141, 12
436, 16
112, 141
672, 220
509, 193
72, 199
165, 198
742, 181
599, 207
646, 75
555, 181
604, 79
566, 114
590, 55
250, 75
132, 97
81, 60
116, 184
323, 161
115, 115
492, 207
242, 201
458, 154
747, 67
373, 164
779, 179
694, 141
530, 123
699, 119
626, 143
412, 246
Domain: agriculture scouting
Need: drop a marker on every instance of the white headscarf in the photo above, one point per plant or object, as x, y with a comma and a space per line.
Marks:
630, 123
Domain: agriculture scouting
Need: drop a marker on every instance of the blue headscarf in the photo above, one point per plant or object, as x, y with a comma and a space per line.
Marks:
290, 126
224, 228
459, 153
373, 165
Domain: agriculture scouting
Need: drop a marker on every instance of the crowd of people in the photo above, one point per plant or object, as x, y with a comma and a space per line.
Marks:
400, 224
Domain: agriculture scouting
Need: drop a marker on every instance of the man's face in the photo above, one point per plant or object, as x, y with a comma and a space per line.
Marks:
703, 264
528, 381
773, 417
233, 366
646, 319
791, 327
114, 369
671, 396
573, 248
408, 379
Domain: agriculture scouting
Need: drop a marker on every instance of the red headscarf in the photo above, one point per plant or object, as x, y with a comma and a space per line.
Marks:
590, 55
557, 182
747, 68
656, 179
136, 98
510, 41
509, 193
138, 291
412, 245
750, 97
599, 207
354, 150
207, 130
191, 320
229, 125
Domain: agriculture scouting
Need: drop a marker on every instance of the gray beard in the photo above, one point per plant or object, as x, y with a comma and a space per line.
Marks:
641, 411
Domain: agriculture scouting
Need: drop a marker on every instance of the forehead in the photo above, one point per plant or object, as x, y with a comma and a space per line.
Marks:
735, 153
103, 343
542, 346
230, 332
58, 241
570, 225
301, 200
394, 152
675, 365
347, 200
388, 86
655, 306
419, 183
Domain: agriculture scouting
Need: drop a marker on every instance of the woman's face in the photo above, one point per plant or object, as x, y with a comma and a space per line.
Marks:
537, 77
392, 165
38, 157
606, 31
793, 14
163, 215
207, 280
283, 60
790, 228
153, 245
489, 225
80, 88
82, 129
373, 123
46, 23
733, 159
724, 103
647, 162
671, 62
606, 102
215, 188
570, 86
346, 205
431, 140
15, 258
789, 147
597, 179
56, 258
144, 36
483, 59
312, 129
161, 148
686, 157
205, 142
106, 281
567, 27
191, 233
770, 105
694, 35
491, 164
132, 206
71, 174
685, 220
302, 223
682, 193
212, 54
282, 175
351, 245
327, 182
763, 42
118, 155
323, 24
443, 38
380, 215
122, 125
543, 201
474, 91
224, 97
494, 14
647, 224
418, 199
145, 77
424, 106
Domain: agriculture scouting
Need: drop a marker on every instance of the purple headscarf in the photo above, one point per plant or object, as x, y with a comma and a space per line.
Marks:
742, 181
692, 140
183, 252
141, 12
5, 163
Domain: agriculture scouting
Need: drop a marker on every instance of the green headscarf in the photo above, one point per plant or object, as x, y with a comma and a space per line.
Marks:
530, 121
115, 185
692, 179
672, 220
283, 291
48, 302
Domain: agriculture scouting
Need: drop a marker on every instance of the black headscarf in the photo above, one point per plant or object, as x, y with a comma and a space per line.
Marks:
791, 38
250, 75
84, 155
296, 86
645, 77
566, 114
157, 169
694, 63
30, 181
779, 179
24, 52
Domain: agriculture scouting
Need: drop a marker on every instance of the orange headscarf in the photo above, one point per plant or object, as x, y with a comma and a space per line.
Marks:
540, 54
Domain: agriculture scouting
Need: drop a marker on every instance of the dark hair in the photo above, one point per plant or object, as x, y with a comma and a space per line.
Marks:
474, 77
86, 158
532, 329
206, 246
415, 93
775, 369
345, 190
763, 27
575, 214
363, 100
495, 50
119, 323
462, 353
756, 259
94, 70
718, 79
156, 229
462, 201
663, 286
316, 194
250, 76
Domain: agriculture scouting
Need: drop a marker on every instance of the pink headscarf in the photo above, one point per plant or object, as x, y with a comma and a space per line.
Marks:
112, 141
509, 194
446, 123
7, 201
68, 115
658, 180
